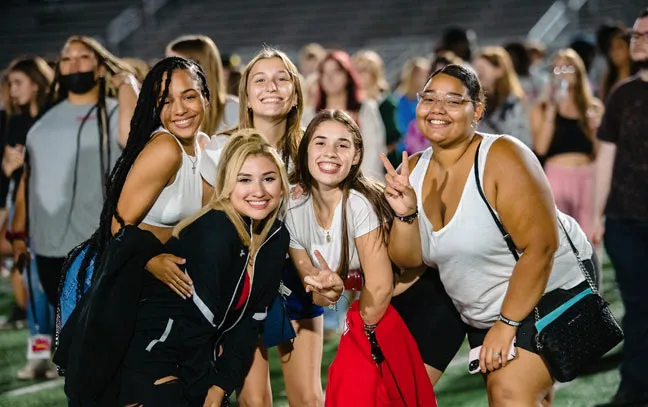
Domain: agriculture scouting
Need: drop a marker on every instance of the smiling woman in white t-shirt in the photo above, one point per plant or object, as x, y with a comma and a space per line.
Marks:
340, 222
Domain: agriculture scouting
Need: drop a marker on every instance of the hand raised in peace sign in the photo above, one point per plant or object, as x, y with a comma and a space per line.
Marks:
398, 191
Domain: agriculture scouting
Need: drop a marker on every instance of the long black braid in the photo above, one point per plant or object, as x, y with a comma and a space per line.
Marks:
146, 119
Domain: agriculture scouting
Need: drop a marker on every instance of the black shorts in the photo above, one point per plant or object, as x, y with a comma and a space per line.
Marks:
432, 319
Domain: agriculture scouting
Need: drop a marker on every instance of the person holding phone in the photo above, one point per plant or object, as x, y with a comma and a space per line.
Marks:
442, 221
564, 125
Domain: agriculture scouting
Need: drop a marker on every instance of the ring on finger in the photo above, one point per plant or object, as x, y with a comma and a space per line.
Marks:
496, 354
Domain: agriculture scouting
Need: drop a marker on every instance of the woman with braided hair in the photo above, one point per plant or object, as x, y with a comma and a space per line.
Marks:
154, 184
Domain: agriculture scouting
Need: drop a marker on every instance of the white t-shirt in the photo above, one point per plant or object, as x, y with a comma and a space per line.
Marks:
307, 234
211, 157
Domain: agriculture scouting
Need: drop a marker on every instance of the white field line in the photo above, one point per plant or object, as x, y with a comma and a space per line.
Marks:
33, 388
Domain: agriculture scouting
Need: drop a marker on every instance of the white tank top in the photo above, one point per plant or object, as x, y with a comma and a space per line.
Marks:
473, 260
183, 197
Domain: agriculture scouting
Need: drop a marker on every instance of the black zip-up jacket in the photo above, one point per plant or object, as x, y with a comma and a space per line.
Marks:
216, 261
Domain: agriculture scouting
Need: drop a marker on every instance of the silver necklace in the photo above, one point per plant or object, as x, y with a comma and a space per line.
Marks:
193, 162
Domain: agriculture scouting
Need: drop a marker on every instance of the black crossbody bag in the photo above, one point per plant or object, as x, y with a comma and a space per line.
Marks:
580, 329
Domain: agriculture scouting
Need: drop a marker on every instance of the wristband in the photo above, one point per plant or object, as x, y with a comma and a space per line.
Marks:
509, 322
11, 236
409, 218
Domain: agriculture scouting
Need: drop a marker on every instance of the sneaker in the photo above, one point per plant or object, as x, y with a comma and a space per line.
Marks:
33, 369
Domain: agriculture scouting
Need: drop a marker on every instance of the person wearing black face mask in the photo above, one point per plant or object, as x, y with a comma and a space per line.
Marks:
79, 82
70, 152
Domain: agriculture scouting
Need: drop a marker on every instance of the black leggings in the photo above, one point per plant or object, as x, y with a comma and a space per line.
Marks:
49, 272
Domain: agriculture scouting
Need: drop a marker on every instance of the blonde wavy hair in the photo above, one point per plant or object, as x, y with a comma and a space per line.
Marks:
375, 65
241, 145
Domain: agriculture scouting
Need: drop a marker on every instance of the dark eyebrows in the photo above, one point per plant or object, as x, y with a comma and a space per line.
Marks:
434, 92
340, 138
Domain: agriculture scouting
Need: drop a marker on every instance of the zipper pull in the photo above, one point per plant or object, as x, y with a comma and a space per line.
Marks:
283, 290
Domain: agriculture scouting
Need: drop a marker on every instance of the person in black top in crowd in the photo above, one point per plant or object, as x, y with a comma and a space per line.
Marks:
621, 193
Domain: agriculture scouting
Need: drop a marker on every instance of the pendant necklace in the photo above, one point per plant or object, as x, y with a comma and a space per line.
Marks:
329, 239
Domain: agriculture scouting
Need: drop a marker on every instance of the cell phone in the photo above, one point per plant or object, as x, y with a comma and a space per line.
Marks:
473, 357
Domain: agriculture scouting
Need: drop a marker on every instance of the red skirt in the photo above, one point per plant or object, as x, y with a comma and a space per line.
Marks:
354, 379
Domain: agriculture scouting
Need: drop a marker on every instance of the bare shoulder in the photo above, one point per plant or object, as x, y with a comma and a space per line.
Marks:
508, 154
164, 146
162, 151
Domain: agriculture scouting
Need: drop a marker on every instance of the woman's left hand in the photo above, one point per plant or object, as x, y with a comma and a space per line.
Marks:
496, 346
215, 397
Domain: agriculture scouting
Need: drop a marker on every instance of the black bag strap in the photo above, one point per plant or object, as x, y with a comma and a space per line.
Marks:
507, 237
509, 240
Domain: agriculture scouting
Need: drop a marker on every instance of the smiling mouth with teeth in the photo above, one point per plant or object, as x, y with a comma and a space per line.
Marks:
183, 122
271, 100
329, 166
435, 121
258, 203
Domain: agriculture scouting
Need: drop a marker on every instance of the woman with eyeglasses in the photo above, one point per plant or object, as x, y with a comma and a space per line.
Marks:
446, 202
564, 126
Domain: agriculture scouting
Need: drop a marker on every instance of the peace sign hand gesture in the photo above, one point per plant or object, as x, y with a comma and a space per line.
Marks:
326, 282
399, 192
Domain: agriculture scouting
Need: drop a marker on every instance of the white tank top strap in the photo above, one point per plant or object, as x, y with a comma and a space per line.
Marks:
484, 148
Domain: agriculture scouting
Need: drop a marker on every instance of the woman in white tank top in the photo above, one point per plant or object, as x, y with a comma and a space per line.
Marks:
163, 185
443, 222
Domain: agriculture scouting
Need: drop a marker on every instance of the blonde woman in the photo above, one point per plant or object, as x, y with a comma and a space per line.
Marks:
272, 102
374, 85
235, 249
564, 128
222, 113
506, 112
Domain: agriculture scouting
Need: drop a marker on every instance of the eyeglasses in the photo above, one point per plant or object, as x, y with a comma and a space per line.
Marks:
565, 69
636, 35
451, 102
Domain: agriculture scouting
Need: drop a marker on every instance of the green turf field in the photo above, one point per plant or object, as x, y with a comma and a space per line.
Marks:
456, 389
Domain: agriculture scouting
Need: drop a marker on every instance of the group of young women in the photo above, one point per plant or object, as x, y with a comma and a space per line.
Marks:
181, 296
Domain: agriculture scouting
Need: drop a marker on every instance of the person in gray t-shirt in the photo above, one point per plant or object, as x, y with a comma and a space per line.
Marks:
71, 150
